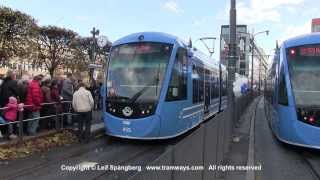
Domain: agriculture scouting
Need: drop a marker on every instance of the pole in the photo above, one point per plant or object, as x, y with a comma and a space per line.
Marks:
94, 32
259, 74
252, 54
232, 59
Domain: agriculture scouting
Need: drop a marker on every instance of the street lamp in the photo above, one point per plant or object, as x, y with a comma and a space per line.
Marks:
252, 38
252, 55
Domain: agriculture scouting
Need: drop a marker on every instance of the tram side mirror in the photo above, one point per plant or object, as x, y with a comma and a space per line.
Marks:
190, 54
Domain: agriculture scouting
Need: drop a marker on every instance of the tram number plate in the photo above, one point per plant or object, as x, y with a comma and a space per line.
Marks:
126, 129
126, 123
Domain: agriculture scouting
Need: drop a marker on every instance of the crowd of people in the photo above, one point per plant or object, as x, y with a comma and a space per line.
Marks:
42, 97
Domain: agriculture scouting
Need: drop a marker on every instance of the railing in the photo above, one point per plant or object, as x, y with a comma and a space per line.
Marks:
56, 114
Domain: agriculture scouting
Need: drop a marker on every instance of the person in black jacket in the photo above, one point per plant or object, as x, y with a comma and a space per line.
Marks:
9, 88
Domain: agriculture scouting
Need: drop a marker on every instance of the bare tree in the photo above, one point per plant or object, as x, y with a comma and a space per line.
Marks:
83, 53
54, 46
16, 31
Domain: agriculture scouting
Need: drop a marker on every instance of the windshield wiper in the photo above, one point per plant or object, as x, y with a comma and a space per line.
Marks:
142, 91
138, 94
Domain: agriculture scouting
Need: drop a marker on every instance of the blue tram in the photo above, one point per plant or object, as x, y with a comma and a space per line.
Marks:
158, 87
293, 92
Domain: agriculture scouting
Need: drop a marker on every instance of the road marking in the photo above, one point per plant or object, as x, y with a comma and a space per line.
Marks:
250, 175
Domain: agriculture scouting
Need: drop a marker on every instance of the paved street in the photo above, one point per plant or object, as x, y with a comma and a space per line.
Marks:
257, 146
278, 160
102, 151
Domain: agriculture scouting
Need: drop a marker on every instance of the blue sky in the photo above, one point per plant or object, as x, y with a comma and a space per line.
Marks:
184, 18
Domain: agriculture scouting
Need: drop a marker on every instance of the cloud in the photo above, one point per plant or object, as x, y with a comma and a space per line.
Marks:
172, 6
295, 30
249, 15
271, 4
257, 11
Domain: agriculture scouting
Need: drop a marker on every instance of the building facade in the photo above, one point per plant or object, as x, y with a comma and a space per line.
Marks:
243, 41
315, 26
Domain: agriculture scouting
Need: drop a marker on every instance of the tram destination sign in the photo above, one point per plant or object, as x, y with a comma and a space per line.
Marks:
309, 51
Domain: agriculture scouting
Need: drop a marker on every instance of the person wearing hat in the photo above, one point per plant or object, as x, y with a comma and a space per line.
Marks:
33, 103
66, 93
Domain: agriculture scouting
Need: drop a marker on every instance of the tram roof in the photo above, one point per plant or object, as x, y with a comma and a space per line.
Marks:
165, 38
311, 38
150, 36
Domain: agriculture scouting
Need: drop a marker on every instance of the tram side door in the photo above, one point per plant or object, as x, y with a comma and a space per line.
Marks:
206, 90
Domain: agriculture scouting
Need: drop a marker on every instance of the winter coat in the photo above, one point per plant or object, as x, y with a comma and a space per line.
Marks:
55, 97
23, 89
34, 96
10, 114
82, 100
67, 90
46, 94
9, 88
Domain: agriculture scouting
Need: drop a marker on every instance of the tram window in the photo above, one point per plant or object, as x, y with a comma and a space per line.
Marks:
195, 84
212, 85
283, 97
217, 88
177, 89
201, 84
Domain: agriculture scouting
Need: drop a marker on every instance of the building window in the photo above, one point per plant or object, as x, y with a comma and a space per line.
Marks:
242, 65
177, 89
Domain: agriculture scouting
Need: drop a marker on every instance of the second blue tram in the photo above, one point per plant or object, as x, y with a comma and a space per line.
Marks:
293, 91
158, 87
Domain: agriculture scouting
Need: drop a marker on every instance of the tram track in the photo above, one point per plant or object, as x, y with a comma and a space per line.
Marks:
312, 160
280, 158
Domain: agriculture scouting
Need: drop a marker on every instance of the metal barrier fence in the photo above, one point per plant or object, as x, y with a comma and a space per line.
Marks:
55, 115
204, 147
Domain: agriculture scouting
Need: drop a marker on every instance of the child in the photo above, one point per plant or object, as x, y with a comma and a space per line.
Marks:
10, 114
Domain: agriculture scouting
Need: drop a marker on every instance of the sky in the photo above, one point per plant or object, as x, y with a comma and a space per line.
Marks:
183, 18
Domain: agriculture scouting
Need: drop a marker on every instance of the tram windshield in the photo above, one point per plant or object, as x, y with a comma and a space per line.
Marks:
304, 68
136, 71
